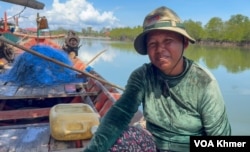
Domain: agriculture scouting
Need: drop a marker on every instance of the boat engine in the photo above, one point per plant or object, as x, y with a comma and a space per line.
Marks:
6, 52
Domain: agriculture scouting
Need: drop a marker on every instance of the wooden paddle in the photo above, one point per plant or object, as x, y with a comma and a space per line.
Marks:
58, 62
95, 57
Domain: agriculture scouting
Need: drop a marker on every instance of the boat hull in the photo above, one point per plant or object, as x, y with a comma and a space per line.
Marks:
28, 128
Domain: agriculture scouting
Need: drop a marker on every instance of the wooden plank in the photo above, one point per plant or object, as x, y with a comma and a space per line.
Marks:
9, 139
105, 91
59, 90
38, 91
45, 90
100, 101
49, 96
30, 139
33, 92
24, 114
56, 145
23, 91
35, 139
87, 100
51, 91
23, 126
8, 90
13, 92
90, 85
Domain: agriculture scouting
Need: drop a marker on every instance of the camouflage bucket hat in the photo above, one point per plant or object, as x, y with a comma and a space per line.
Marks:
162, 18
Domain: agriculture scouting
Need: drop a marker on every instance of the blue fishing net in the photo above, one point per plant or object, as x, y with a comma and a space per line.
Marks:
32, 70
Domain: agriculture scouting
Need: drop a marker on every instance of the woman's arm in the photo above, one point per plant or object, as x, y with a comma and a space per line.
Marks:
118, 117
213, 112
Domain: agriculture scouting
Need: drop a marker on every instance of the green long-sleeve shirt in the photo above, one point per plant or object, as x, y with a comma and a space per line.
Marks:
174, 108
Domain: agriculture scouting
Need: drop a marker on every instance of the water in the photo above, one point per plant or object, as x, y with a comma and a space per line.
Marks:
231, 67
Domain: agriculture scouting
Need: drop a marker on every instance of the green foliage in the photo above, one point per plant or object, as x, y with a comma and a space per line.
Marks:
195, 29
214, 29
125, 33
236, 29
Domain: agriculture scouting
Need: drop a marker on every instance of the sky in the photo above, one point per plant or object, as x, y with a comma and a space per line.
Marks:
79, 14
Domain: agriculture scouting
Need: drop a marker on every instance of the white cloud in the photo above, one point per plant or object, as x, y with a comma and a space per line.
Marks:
72, 14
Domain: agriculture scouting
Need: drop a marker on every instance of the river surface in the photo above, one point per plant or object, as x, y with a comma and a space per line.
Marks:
230, 66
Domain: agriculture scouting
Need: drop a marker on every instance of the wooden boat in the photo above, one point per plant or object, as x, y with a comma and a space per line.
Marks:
27, 128
23, 36
25, 110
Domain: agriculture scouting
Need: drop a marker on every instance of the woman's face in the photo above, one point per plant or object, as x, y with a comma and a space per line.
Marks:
165, 50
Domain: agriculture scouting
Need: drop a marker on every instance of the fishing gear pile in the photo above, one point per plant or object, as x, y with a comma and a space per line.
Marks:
32, 70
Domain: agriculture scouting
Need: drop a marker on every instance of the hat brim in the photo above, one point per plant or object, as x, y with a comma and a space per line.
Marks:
140, 42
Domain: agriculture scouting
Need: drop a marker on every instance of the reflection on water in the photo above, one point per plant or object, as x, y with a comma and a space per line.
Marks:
230, 66
235, 60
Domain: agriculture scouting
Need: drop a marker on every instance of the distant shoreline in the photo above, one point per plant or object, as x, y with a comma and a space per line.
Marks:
93, 37
202, 43
224, 44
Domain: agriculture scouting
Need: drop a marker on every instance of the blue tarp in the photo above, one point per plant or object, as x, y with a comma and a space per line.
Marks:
29, 69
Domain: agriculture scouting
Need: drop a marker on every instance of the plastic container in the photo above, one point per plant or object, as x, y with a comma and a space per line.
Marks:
73, 121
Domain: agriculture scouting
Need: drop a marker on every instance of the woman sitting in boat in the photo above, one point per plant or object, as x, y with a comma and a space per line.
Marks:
180, 98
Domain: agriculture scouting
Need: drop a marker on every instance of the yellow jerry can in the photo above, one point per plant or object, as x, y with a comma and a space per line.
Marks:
73, 121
